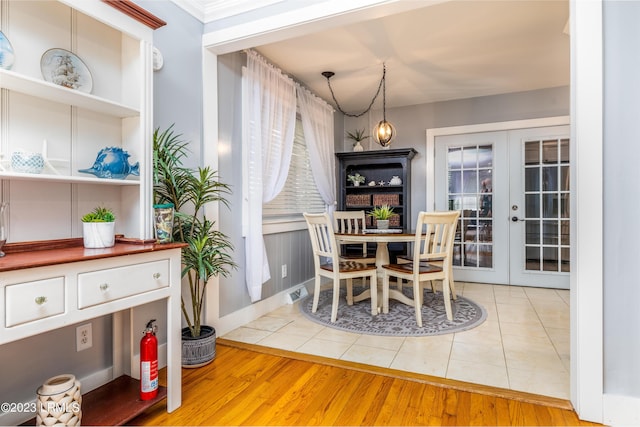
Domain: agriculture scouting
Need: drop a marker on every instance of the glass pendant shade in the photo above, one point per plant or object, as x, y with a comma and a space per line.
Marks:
383, 133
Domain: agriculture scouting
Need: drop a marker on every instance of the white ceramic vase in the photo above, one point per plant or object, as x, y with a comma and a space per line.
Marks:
99, 234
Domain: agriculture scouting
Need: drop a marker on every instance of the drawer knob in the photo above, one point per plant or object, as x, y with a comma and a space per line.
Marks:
104, 287
156, 275
41, 300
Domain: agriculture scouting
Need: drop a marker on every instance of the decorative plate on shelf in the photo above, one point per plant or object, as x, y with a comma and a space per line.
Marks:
64, 68
6, 52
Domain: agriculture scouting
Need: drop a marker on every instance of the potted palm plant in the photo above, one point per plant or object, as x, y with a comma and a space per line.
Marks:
208, 251
98, 228
382, 214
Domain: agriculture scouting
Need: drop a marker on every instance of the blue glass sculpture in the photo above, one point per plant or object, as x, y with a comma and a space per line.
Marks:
112, 162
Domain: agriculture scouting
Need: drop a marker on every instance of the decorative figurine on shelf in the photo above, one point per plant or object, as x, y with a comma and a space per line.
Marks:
356, 179
395, 180
372, 183
381, 183
112, 162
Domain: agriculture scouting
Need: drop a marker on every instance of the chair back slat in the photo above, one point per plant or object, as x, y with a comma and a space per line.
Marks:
434, 235
349, 221
322, 237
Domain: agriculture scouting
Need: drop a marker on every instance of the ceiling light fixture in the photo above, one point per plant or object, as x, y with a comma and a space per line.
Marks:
384, 131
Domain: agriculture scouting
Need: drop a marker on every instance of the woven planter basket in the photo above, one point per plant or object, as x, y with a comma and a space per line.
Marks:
199, 351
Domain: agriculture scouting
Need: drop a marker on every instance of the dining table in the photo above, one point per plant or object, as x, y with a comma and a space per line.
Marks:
382, 237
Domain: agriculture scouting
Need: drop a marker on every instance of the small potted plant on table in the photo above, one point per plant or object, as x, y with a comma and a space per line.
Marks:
382, 214
98, 228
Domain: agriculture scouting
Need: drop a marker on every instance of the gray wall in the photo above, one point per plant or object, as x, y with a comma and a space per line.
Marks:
621, 201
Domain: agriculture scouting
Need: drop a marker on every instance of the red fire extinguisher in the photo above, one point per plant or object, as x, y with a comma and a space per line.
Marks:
149, 362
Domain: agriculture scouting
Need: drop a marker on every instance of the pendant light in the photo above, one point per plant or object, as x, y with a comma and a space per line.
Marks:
383, 132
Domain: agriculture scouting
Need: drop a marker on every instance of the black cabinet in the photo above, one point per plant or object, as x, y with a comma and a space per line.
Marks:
387, 181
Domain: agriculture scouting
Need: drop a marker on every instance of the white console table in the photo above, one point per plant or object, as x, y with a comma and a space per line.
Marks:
51, 284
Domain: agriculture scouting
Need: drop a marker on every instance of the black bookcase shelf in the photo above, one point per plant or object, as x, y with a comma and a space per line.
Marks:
377, 166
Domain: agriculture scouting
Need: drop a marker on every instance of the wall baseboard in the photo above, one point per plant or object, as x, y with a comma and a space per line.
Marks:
621, 410
250, 313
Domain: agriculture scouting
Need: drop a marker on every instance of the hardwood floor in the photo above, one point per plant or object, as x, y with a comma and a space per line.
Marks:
254, 385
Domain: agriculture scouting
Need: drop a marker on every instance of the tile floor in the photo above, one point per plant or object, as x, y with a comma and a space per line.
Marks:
523, 345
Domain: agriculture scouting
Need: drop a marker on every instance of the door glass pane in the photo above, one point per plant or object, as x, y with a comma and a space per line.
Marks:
564, 233
550, 178
546, 197
469, 157
455, 158
564, 151
532, 152
564, 259
564, 178
532, 236
532, 205
550, 232
550, 205
470, 178
532, 261
455, 182
470, 172
550, 259
485, 256
532, 179
550, 152
485, 156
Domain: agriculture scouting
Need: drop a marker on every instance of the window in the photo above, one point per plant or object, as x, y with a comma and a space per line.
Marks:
300, 193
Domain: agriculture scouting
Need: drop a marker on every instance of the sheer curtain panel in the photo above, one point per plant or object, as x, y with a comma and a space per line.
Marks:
317, 122
270, 113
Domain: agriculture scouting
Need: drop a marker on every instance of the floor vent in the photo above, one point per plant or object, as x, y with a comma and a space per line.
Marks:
297, 294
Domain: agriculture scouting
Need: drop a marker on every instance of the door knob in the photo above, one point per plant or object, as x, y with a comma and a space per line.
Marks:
516, 219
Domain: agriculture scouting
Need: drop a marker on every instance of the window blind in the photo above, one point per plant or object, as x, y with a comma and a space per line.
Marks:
299, 193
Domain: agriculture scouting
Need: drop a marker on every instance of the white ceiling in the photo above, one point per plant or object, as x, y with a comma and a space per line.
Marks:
451, 50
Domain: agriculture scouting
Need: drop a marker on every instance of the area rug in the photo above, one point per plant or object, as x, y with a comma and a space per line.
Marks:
400, 321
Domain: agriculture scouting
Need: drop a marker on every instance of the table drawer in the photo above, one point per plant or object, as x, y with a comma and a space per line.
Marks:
98, 287
29, 301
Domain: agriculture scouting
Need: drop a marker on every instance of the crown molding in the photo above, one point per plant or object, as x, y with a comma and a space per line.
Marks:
211, 10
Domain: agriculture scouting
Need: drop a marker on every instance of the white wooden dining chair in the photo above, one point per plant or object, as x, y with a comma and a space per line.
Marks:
433, 241
323, 242
352, 222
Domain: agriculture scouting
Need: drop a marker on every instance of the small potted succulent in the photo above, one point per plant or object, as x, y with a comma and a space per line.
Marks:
98, 228
382, 214
356, 179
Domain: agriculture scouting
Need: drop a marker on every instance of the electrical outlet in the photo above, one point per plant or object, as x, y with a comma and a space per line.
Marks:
84, 337
284, 270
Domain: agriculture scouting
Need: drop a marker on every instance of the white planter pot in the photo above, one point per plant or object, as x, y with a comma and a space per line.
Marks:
382, 224
99, 234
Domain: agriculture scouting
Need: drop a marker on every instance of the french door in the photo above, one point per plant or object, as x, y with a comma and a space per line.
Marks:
512, 191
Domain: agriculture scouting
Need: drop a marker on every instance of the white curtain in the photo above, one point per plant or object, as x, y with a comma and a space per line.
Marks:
270, 105
317, 123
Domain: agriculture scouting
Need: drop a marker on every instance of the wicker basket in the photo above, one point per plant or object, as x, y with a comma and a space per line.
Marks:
386, 199
358, 200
